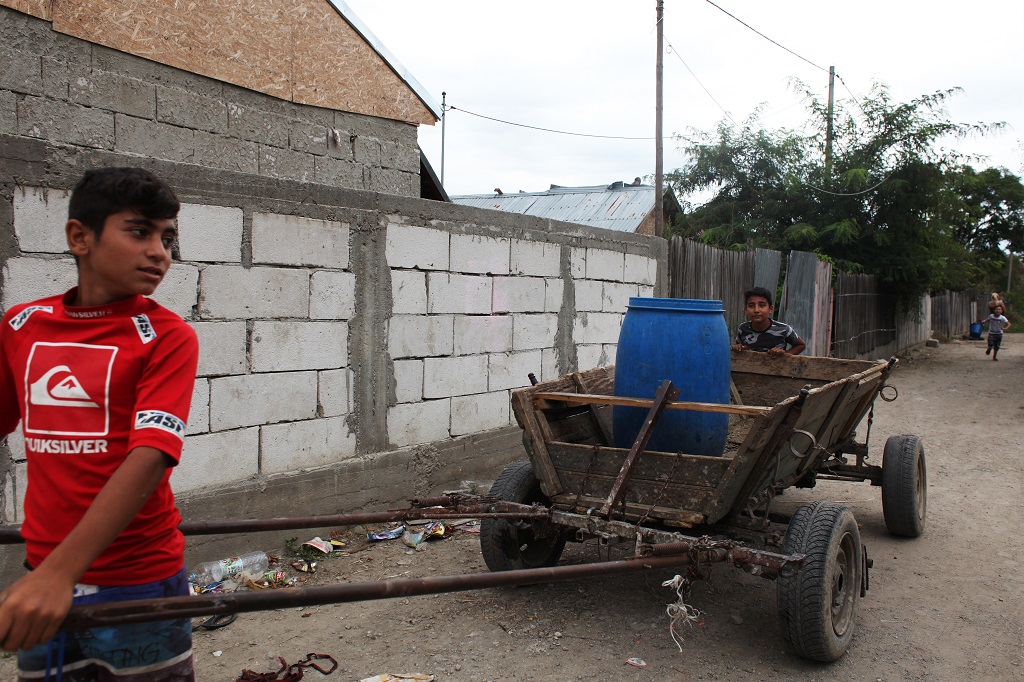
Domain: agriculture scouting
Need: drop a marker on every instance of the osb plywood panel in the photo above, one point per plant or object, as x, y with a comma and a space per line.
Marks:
301, 51
37, 8
337, 69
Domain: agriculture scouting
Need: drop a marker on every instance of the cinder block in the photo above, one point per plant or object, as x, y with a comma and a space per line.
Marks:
40, 215
641, 269
417, 423
332, 295
408, 381
179, 292
295, 240
480, 255
592, 328
254, 399
476, 334
512, 370
28, 278
589, 356
534, 331
309, 138
518, 295
577, 262
8, 113
214, 150
536, 259
408, 292
333, 400
399, 155
210, 234
459, 375
257, 125
554, 290
589, 295
368, 151
151, 138
479, 412
233, 292
410, 246
617, 295
181, 107
299, 445
296, 345
416, 336
199, 411
221, 347
285, 163
391, 181
645, 291
14, 493
113, 91
338, 172
66, 123
606, 265
462, 294
548, 364
22, 72
216, 459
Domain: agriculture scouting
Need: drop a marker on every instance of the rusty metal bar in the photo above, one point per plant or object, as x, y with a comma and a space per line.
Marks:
729, 552
666, 392
10, 535
146, 610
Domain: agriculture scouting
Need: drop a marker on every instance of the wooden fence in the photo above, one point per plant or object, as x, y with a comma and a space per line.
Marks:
838, 314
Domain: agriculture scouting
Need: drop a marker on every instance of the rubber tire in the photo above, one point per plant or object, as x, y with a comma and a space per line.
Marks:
818, 602
508, 546
904, 486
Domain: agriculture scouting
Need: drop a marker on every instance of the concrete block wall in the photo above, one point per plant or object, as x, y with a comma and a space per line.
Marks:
65, 90
348, 338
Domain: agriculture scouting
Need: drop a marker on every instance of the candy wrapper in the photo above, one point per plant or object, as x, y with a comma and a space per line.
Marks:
386, 534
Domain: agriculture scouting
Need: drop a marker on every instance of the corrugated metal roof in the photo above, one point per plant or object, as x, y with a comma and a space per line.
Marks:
617, 206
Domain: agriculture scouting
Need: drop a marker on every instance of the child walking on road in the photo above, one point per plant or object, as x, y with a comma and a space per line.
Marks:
997, 324
101, 380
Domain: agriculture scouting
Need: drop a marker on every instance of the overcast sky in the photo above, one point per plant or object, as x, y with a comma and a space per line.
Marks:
589, 67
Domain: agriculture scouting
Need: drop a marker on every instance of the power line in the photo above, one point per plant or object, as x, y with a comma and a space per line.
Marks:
766, 37
547, 130
680, 58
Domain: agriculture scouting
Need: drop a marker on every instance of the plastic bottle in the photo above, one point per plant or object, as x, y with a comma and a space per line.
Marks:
210, 572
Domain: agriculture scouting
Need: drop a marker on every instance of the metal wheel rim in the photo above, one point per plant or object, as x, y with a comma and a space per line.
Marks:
845, 584
534, 550
921, 489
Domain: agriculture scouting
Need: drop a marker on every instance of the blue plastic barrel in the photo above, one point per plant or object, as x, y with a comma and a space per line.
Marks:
976, 328
686, 341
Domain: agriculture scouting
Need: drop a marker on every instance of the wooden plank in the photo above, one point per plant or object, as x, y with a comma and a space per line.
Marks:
550, 396
600, 419
533, 439
799, 366
654, 468
665, 393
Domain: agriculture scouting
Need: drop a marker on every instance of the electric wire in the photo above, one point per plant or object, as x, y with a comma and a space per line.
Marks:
766, 37
547, 130
674, 51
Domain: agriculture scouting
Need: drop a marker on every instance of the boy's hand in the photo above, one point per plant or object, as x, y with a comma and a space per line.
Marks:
776, 352
738, 347
32, 609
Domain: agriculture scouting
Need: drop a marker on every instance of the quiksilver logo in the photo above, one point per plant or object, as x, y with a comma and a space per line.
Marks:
145, 329
67, 392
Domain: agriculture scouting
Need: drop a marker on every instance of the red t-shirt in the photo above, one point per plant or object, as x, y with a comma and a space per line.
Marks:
89, 385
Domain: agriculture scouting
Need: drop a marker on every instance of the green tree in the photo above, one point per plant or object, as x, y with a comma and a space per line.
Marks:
893, 202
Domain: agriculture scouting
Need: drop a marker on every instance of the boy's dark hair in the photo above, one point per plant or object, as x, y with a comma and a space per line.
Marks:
757, 291
104, 191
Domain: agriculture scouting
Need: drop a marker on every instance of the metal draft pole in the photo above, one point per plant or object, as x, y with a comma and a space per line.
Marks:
659, 174
444, 108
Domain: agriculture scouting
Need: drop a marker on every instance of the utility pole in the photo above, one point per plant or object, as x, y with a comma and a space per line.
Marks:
828, 126
444, 108
659, 175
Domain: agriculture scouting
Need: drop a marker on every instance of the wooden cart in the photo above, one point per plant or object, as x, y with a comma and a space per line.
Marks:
792, 421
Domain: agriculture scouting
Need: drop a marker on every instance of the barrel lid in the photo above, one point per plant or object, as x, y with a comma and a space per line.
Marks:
696, 305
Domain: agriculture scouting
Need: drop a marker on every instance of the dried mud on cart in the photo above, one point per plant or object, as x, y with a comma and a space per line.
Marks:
792, 421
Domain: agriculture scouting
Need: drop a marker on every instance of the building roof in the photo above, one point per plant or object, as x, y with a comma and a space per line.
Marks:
618, 206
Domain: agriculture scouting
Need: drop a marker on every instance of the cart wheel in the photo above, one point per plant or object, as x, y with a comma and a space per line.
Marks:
818, 602
904, 486
508, 544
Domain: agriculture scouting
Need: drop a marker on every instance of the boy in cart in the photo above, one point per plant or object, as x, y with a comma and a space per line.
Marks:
101, 379
760, 332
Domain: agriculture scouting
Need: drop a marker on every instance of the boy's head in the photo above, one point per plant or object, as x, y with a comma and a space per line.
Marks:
997, 311
758, 306
104, 191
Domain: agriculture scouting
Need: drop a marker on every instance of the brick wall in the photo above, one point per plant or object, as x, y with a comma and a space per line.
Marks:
69, 91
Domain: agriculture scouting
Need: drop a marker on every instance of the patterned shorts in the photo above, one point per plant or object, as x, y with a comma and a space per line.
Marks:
140, 652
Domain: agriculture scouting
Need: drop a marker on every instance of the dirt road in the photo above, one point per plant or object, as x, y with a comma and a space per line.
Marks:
946, 606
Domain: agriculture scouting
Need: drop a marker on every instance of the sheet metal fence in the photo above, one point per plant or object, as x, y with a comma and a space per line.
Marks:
838, 314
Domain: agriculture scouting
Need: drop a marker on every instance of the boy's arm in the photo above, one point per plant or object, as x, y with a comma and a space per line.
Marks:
797, 347
33, 608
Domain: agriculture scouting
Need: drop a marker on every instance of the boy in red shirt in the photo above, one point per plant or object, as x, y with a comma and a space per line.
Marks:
101, 379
